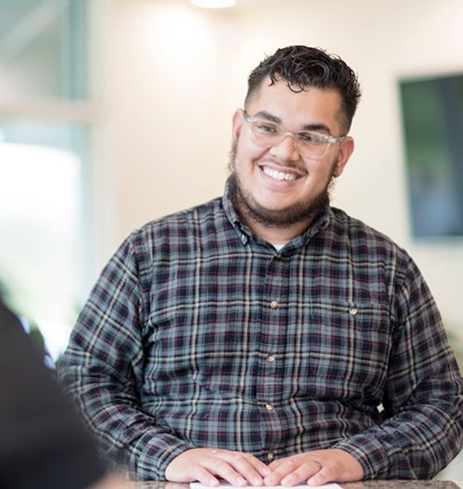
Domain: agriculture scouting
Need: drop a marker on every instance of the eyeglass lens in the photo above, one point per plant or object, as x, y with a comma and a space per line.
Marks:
267, 135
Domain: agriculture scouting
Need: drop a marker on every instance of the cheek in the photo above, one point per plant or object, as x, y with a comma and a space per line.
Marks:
326, 170
247, 155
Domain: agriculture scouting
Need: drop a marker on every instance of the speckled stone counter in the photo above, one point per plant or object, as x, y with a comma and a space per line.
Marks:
401, 484
351, 485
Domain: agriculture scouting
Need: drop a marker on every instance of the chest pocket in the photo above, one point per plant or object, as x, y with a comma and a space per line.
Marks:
345, 349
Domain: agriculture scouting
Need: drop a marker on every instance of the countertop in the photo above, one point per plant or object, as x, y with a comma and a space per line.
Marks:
378, 484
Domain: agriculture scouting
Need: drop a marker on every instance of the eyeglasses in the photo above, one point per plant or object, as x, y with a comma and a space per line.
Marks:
309, 144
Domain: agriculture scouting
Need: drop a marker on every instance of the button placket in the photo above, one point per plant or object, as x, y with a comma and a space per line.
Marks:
274, 311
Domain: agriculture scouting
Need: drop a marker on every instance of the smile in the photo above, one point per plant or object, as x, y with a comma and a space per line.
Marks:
278, 175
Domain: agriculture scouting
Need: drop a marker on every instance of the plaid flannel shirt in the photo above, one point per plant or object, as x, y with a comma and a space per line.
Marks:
199, 334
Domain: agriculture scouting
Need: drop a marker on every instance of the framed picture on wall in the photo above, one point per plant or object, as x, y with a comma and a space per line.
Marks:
432, 115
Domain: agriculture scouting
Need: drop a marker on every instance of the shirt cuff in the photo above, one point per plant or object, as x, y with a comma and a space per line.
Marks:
152, 454
370, 454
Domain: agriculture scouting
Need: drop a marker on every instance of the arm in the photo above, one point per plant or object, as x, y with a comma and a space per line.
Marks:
103, 370
422, 429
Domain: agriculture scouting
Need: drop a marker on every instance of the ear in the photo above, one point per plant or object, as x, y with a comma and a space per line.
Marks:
344, 153
237, 122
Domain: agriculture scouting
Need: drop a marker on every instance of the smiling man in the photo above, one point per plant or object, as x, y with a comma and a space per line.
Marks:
265, 337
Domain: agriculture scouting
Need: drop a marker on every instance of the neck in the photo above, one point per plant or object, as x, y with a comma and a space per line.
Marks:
277, 235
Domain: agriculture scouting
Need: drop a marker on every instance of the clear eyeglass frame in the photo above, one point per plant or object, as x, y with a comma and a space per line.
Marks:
309, 144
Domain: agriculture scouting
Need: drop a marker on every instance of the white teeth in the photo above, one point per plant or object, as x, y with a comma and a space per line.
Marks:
277, 175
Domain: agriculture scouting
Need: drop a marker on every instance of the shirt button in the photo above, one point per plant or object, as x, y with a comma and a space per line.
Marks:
270, 358
269, 407
270, 456
274, 305
353, 311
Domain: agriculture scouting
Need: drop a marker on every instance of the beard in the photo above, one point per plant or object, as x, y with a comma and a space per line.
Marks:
250, 210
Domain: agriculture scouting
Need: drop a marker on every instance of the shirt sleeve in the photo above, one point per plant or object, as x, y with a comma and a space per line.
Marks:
102, 369
422, 429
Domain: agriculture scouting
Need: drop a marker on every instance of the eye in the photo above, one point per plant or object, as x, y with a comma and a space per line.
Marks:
266, 127
310, 137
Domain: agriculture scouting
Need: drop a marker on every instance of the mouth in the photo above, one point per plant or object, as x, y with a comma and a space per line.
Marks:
280, 176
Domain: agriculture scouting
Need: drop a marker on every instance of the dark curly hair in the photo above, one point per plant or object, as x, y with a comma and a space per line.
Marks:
302, 67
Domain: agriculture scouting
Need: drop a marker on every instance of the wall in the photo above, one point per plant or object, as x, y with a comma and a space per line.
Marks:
174, 74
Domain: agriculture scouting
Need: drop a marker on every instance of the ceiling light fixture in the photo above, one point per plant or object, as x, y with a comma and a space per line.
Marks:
213, 3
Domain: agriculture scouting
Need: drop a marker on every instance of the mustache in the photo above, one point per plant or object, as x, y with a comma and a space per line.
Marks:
281, 166
269, 159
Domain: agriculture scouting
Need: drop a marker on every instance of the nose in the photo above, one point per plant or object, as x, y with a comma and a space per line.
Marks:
286, 149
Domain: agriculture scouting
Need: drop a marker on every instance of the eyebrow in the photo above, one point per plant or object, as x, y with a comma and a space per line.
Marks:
317, 127
266, 115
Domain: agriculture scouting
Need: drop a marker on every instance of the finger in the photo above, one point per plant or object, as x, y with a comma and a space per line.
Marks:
223, 469
205, 477
276, 463
325, 475
301, 474
282, 470
263, 469
246, 465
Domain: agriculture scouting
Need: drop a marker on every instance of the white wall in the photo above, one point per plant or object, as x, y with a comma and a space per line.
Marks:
173, 75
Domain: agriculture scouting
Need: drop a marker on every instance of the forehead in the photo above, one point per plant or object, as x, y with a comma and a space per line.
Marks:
310, 106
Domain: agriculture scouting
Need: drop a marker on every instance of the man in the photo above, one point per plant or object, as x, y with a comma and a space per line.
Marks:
266, 338
43, 444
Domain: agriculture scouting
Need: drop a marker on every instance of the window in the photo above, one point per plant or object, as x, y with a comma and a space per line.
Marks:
432, 111
45, 128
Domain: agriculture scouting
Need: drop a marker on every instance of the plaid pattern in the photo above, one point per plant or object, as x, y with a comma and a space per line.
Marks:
198, 334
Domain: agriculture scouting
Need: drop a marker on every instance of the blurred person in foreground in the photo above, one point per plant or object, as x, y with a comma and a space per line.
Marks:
266, 337
42, 442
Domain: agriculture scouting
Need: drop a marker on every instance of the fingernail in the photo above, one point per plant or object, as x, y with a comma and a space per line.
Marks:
257, 481
240, 481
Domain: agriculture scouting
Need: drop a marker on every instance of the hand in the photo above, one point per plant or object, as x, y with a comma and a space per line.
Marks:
316, 468
204, 464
